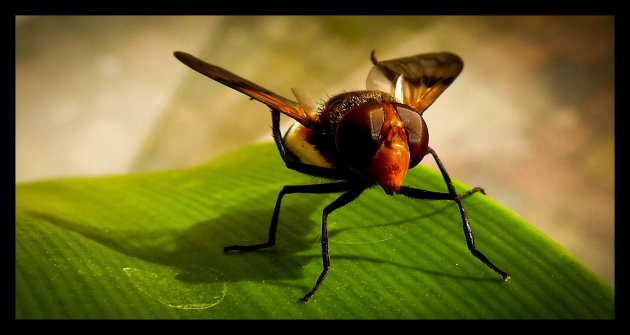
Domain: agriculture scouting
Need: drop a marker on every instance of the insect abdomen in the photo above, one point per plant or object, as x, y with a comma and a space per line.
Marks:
298, 141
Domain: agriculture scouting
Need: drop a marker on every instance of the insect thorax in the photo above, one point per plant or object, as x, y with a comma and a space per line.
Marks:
339, 105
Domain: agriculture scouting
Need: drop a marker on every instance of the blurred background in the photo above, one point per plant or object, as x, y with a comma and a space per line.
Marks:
531, 117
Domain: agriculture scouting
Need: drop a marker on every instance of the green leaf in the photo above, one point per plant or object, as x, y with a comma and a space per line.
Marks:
150, 246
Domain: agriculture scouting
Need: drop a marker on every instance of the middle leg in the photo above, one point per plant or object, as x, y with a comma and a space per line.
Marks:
289, 189
343, 200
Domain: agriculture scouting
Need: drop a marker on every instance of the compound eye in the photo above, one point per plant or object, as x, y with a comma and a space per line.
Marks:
417, 133
358, 132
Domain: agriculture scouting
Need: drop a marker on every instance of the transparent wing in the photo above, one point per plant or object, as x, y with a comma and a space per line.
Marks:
415, 81
225, 77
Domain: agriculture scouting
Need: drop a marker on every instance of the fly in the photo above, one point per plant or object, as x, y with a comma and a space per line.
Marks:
358, 139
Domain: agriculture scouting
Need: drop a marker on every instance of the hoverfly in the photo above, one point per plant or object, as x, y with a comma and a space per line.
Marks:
357, 139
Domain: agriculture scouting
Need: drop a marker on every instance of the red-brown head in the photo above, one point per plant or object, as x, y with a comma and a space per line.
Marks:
383, 140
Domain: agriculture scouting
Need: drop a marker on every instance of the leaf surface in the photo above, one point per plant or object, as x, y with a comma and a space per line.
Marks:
150, 246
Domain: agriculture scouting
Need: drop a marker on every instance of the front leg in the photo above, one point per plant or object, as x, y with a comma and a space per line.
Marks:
447, 179
452, 195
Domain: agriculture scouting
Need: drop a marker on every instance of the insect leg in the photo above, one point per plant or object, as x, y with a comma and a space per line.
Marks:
373, 57
277, 135
470, 241
471, 192
344, 199
289, 189
447, 179
293, 165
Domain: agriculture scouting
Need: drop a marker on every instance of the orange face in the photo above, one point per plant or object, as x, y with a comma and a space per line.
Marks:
382, 140
391, 160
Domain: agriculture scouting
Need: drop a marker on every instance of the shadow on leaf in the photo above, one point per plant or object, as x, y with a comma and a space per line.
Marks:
194, 250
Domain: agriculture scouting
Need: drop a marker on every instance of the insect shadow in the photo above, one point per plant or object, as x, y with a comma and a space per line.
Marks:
297, 244
192, 251
204, 241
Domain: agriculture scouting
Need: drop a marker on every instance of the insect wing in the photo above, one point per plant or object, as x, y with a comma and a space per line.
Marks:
418, 80
225, 77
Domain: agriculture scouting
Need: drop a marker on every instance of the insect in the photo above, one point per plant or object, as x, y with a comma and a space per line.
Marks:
357, 139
